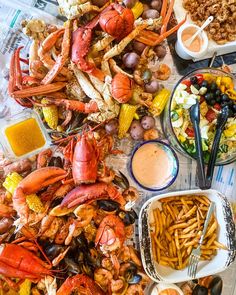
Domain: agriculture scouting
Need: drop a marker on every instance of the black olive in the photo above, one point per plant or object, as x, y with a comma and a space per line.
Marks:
200, 290
218, 99
196, 86
234, 107
209, 96
193, 80
213, 86
204, 83
217, 92
231, 113
212, 102
225, 97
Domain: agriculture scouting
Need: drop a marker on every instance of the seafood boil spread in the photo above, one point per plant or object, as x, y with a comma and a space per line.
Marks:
67, 217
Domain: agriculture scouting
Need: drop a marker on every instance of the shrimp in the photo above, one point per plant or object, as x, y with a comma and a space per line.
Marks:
84, 213
103, 277
128, 253
163, 73
135, 290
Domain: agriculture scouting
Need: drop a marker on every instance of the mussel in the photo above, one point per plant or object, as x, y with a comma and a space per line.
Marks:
108, 205
128, 217
71, 266
130, 273
135, 279
216, 286
121, 180
200, 290
53, 250
56, 162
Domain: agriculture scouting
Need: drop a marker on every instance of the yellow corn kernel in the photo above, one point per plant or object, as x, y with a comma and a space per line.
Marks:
222, 88
50, 114
181, 138
25, 287
127, 112
137, 9
227, 82
33, 201
159, 102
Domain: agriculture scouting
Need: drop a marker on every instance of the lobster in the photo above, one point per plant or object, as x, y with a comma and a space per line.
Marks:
80, 283
18, 262
121, 88
32, 183
115, 20
89, 192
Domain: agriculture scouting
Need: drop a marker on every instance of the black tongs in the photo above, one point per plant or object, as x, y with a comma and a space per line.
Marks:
206, 180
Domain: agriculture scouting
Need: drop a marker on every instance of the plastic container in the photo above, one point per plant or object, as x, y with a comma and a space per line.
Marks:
170, 156
21, 119
166, 119
184, 52
226, 236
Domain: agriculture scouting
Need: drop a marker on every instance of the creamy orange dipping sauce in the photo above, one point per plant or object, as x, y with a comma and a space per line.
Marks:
151, 166
196, 45
169, 292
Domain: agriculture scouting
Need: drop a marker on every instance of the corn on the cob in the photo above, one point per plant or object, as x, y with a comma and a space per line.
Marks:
126, 116
25, 287
159, 102
50, 114
137, 9
33, 201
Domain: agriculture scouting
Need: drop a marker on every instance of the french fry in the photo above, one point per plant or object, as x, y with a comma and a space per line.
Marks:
180, 224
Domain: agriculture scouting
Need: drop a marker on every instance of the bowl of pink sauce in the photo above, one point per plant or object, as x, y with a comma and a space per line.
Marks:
154, 165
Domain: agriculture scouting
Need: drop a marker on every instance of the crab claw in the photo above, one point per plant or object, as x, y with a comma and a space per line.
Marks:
32, 183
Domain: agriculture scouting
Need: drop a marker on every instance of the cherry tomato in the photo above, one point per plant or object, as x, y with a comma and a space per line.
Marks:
190, 132
199, 78
210, 115
217, 106
187, 83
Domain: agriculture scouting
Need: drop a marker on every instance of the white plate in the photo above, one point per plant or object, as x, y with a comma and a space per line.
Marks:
226, 236
229, 47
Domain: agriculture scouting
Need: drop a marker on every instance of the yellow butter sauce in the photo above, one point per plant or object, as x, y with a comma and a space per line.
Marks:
25, 137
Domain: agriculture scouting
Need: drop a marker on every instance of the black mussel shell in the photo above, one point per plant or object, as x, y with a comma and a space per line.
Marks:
121, 180
82, 242
128, 217
71, 266
53, 250
130, 272
200, 290
56, 162
108, 205
216, 286
135, 279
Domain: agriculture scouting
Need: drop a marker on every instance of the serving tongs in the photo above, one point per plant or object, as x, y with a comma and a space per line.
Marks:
206, 180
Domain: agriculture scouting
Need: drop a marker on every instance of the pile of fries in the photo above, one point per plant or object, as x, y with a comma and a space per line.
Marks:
177, 228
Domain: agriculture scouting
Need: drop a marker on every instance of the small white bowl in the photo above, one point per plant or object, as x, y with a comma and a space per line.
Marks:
184, 52
226, 236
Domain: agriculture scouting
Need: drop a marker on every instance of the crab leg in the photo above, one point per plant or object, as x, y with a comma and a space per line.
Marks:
152, 39
38, 90
61, 59
167, 17
163, 9
75, 105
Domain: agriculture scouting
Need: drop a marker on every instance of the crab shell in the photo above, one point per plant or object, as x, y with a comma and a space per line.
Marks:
121, 88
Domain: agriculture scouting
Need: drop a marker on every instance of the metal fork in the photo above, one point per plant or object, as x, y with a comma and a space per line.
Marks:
196, 253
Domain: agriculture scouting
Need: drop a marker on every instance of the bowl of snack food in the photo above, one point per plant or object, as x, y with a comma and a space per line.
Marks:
153, 165
170, 226
214, 89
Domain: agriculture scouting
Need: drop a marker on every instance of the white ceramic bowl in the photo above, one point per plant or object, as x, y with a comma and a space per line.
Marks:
226, 236
184, 52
